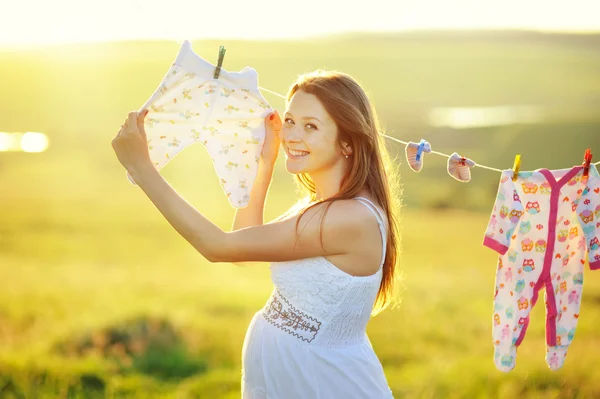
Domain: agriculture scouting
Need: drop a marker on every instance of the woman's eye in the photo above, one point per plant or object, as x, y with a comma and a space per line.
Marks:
288, 121
311, 126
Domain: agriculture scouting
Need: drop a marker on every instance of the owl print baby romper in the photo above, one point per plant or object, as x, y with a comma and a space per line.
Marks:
542, 225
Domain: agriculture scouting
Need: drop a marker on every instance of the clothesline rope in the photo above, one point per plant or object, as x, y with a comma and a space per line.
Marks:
273, 92
404, 142
389, 137
181, 37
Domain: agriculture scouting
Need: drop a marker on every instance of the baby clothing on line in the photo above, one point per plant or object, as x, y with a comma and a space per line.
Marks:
415, 152
541, 226
460, 167
226, 115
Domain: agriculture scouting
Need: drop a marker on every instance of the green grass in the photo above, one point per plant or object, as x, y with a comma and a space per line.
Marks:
436, 344
83, 252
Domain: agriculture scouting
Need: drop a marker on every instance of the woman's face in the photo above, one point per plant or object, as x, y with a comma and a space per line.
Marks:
309, 135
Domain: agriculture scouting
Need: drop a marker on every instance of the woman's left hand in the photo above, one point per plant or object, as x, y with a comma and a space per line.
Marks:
130, 143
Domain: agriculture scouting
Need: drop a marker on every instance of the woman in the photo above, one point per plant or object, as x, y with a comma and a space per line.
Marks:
333, 259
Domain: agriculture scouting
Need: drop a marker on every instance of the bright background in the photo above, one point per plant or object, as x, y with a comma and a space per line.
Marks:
67, 21
99, 297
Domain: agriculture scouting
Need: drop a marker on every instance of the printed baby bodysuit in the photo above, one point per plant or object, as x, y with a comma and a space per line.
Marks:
225, 114
542, 225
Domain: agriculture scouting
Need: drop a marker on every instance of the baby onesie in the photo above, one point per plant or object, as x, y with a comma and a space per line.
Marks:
226, 115
542, 225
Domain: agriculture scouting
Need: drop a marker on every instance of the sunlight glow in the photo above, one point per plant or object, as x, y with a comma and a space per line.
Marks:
34, 142
9, 142
26, 142
461, 118
62, 21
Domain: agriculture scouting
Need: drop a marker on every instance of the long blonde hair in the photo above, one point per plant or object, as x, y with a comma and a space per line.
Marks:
370, 166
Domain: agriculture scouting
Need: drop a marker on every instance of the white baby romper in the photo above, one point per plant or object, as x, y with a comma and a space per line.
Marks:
226, 115
310, 341
541, 226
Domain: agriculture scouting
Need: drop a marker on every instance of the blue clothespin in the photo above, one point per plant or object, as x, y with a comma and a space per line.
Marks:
420, 149
219, 61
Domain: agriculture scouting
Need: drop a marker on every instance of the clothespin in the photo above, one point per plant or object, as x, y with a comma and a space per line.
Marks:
516, 167
219, 61
587, 159
420, 149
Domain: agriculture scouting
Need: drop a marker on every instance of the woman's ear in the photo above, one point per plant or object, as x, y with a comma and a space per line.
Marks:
346, 149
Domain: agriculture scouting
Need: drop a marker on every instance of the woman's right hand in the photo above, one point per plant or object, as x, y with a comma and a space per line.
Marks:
272, 142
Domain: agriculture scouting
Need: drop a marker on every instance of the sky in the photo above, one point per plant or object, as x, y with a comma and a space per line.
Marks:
42, 22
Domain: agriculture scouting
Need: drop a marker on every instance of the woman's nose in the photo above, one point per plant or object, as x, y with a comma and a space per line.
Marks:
291, 135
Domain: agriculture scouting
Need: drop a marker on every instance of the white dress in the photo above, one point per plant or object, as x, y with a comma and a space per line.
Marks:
310, 341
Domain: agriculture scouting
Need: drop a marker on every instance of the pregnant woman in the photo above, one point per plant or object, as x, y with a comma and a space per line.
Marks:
333, 256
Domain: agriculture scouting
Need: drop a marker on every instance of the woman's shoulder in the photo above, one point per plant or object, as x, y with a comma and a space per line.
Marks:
367, 199
340, 213
343, 216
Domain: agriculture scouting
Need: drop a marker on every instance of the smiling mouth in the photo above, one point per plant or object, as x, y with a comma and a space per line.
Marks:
297, 153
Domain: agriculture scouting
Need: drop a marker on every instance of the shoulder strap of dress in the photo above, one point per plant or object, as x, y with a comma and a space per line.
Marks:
380, 221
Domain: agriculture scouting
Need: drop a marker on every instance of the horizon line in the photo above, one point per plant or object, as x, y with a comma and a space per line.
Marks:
407, 32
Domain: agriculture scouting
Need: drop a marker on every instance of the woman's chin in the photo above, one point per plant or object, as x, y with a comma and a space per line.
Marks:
293, 165
294, 169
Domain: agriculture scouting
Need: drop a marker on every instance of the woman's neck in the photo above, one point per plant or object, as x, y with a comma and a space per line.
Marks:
328, 182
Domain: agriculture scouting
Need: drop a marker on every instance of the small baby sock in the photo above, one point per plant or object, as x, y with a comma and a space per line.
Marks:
460, 167
414, 154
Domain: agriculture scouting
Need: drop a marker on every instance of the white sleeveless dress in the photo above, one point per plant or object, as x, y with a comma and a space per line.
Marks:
310, 341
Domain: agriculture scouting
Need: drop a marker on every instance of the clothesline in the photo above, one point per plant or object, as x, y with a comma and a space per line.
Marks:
181, 40
400, 141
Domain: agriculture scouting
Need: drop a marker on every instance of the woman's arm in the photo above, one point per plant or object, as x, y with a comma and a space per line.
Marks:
347, 227
343, 229
253, 213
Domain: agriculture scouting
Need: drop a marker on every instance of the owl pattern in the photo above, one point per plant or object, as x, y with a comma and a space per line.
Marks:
542, 211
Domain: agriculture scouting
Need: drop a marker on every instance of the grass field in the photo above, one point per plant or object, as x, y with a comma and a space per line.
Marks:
99, 296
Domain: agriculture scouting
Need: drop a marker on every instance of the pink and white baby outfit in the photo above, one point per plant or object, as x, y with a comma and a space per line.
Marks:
542, 225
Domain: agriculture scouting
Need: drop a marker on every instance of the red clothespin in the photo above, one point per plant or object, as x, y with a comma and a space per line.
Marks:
463, 161
587, 160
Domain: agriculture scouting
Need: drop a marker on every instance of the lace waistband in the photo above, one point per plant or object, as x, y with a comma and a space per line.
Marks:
283, 315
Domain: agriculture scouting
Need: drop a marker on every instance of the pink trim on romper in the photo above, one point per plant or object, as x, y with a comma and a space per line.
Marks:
545, 280
495, 245
595, 265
